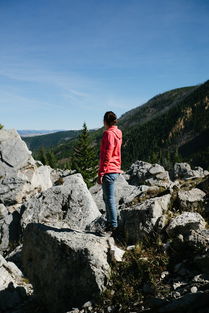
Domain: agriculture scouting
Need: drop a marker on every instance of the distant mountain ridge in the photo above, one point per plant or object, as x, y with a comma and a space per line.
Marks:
30, 132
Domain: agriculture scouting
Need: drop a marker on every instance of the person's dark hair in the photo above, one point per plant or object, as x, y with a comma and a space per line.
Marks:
110, 118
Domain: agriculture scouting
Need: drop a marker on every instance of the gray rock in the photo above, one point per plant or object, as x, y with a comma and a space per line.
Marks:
191, 199
185, 222
184, 171
9, 229
185, 303
13, 288
20, 175
144, 173
67, 268
124, 193
70, 203
139, 220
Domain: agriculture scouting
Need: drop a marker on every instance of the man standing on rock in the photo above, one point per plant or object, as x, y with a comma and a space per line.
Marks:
110, 168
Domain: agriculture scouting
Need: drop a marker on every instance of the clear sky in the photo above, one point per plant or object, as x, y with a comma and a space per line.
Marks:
63, 62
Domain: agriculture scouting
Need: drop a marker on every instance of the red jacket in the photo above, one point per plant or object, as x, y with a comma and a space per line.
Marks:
110, 151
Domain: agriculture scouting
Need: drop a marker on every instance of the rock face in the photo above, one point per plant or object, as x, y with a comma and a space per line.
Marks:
13, 288
67, 268
144, 173
20, 174
140, 220
70, 203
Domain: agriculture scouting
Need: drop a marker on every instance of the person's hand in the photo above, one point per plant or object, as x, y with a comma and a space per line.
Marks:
99, 180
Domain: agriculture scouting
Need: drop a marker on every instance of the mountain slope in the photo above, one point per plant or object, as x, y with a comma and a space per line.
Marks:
171, 126
50, 140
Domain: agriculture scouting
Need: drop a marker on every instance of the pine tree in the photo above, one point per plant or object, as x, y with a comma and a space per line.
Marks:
1, 126
41, 155
51, 159
84, 158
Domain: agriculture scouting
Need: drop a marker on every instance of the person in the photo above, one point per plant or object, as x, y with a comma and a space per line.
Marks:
110, 169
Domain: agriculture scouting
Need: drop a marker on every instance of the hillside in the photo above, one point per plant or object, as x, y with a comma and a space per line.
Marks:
49, 140
169, 127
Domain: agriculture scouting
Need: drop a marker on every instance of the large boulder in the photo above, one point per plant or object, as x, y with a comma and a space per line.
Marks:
144, 173
139, 220
67, 268
14, 289
191, 199
70, 203
20, 174
185, 222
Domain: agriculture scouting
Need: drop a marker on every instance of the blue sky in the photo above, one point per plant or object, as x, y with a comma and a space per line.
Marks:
68, 61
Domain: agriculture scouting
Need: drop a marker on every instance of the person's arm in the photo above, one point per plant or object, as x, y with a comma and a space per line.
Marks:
108, 150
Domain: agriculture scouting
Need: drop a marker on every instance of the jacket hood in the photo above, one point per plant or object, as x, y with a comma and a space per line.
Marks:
116, 131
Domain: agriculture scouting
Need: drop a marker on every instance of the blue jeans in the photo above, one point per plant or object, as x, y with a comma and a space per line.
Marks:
108, 186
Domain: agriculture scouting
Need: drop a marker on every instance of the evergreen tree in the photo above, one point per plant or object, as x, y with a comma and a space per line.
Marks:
84, 158
51, 159
47, 157
1, 126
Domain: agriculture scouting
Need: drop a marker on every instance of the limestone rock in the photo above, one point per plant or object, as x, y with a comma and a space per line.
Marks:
191, 199
184, 171
71, 203
144, 173
67, 268
139, 220
20, 174
9, 228
185, 222
123, 191
13, 288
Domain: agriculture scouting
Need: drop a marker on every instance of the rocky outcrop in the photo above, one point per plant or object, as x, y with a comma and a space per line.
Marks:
70, 204
141, 219
20, 174
73, 262
14, 289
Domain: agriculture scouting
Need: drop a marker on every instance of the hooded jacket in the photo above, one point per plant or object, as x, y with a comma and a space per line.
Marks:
110, 151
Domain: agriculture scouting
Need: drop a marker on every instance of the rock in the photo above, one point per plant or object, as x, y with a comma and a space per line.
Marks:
141, 219
115, 252
144, 173
191, 199
184, 171
9, 229
185, 222
185, 303
70, 203
13, 288
123, 191
20, 175
15, 256
201, 262
67, 268
194, 289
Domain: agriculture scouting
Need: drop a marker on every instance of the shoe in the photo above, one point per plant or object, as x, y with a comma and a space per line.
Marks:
107, 232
